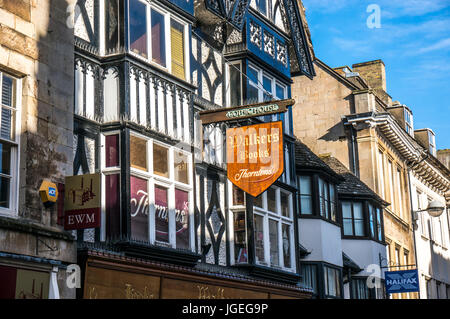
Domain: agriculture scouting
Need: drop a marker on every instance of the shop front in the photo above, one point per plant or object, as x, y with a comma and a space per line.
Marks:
114, 276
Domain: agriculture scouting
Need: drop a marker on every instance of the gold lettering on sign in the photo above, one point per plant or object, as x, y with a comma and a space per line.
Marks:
205, 293
92, 293
132, 293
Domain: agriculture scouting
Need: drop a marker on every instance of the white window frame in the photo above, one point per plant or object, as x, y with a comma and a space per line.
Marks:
266, 214
12, 211
228, 81
168, 16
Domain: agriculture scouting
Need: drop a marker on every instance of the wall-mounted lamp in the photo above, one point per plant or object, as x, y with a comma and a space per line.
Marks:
435, 209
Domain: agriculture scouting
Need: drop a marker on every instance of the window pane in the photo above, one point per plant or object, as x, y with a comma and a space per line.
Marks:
271, 200
359, 227
262, 7
267, 85
253, 75
379, 230
181, 167
7, 119
258, 201
348, 227
139, 209
372, 221
161, 214
138, 153
138, 28
284, 198
177, 48
332, 203
326, 203
235, 84
280, 92
5, 159
357, 210
346, 209
160, 160
309, 276
112, 150
112, 207
252, 94
259, 239
240, 238
182, 218
238, 196
306, 205
273, 235
158, 38
305, 185
4, 192
7, 91
286, 231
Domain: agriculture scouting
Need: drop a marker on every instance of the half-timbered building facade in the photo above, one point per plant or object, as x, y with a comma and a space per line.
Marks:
172, 225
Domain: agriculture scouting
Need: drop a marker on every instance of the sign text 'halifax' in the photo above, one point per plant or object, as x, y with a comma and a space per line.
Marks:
401, 281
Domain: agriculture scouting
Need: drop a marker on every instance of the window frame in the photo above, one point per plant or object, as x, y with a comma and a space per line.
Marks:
228, 82
267, 215
281, 220
14, 142
168, 16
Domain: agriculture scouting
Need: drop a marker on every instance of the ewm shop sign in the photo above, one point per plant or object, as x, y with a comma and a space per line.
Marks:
402, 281
82, 202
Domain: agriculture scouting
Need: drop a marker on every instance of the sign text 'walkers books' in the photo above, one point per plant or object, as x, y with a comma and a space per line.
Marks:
255, 156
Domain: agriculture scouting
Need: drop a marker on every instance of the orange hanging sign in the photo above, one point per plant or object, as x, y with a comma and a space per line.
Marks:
255, 156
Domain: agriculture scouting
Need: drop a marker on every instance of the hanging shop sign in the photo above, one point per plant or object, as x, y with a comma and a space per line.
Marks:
255, 156
244, 112
82, 202
401, 281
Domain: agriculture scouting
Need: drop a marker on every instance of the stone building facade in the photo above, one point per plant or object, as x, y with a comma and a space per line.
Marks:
36, 75
347, 113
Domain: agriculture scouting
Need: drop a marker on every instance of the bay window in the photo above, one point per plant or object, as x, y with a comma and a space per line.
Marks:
158, 37
272, 228
273, 223
161, 206
9, 120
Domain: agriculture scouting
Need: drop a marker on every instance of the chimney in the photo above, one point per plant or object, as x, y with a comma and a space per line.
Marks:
374, 72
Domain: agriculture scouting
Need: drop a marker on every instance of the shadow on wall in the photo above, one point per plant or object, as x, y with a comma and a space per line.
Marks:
47, 108
439, 266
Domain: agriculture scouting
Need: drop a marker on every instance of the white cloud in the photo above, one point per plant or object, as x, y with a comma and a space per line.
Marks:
443, 44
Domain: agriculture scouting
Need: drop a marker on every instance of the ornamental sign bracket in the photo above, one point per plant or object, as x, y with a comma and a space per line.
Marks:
245, 112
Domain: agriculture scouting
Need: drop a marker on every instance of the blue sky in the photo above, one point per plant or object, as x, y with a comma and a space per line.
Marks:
413, 42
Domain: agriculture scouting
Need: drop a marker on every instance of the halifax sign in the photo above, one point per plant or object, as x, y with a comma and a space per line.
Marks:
401, 281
